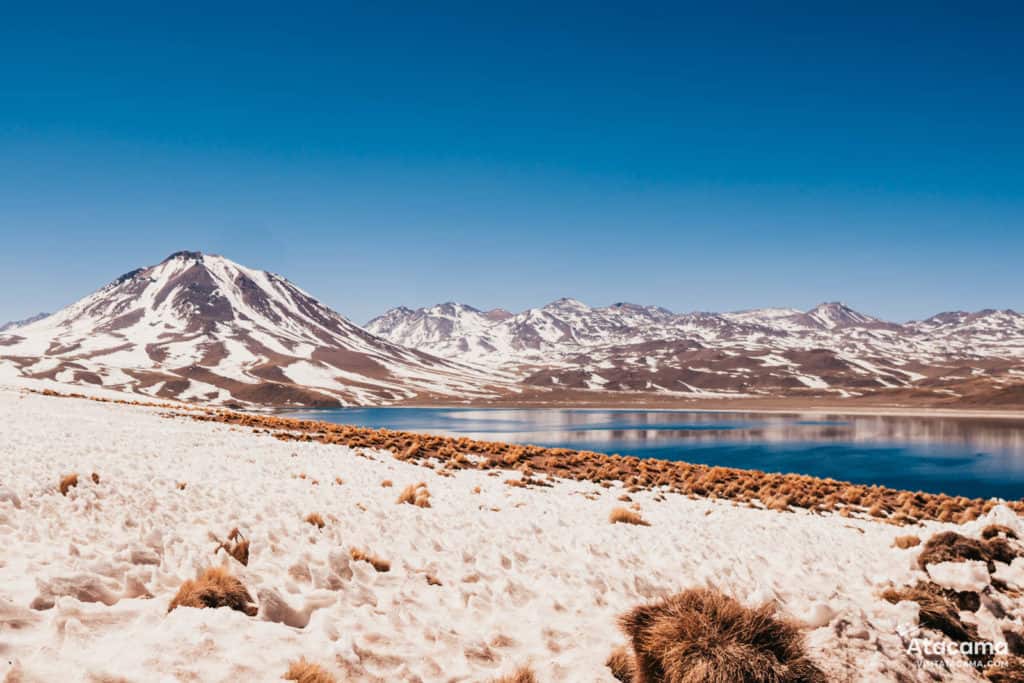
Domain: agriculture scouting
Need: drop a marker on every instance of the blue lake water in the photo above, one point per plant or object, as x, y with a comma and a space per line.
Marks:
974, 457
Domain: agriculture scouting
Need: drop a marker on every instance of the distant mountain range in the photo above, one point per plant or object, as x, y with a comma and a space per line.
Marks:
828, 350
200, 327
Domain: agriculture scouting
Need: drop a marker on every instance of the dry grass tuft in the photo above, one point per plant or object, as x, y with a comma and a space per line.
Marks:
702, 635
67, 483
906, 541
215, 587
304, 671
415, 494
993, 530
620, 662
339, 481
949, 546
626, 516
938, 611
237, 546
387, 483
362, 555
316, 520
95, 478
1006, 670
182, 485
522, 675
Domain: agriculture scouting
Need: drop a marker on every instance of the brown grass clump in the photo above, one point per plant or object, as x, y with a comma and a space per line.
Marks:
415, 494
1008, 669
387, 483
215, 587
67, 483
626, 516
305, 671
949, 546
361, 555
316, 520
938, 611
339, 481
993, 530
620, 662
237, 546
182, 485
522, 675
906, 541
704, 636
95, 478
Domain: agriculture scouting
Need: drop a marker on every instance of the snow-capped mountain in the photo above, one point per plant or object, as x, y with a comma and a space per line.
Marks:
198, 326
829, 349
21, 323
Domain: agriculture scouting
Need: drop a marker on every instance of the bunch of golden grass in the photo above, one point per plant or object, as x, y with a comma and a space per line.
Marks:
316, 520
620, 662
908, 541
702, 635
215, 587
304, 671
415, 494
523, 674
68, 482
363, 555
237, 546
625, 516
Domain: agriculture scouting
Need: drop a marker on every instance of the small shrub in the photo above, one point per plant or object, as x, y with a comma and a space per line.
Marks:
626, 516
182, 485
67, 483
415, 494
993, 530
361, 555
214, 588
702, 635
305, 671
387, 483
522, 675
237, 546
95, 478
949, 546
316, 520
620, 662
905, 542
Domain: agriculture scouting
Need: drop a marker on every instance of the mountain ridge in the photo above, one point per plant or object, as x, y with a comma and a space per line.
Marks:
199, 326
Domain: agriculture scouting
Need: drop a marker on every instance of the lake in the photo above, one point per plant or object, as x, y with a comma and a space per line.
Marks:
973, 457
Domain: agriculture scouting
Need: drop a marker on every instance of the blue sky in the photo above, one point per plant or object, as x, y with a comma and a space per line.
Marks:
392, 155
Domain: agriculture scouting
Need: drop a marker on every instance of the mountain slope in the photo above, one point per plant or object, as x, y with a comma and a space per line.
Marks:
202, 327
21, 323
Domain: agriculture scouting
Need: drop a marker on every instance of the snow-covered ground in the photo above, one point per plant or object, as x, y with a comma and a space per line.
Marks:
528, 576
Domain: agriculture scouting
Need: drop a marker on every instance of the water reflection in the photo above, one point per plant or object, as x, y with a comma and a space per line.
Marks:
968, 456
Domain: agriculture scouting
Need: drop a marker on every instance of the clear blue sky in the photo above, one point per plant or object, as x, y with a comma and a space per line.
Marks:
383, 154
